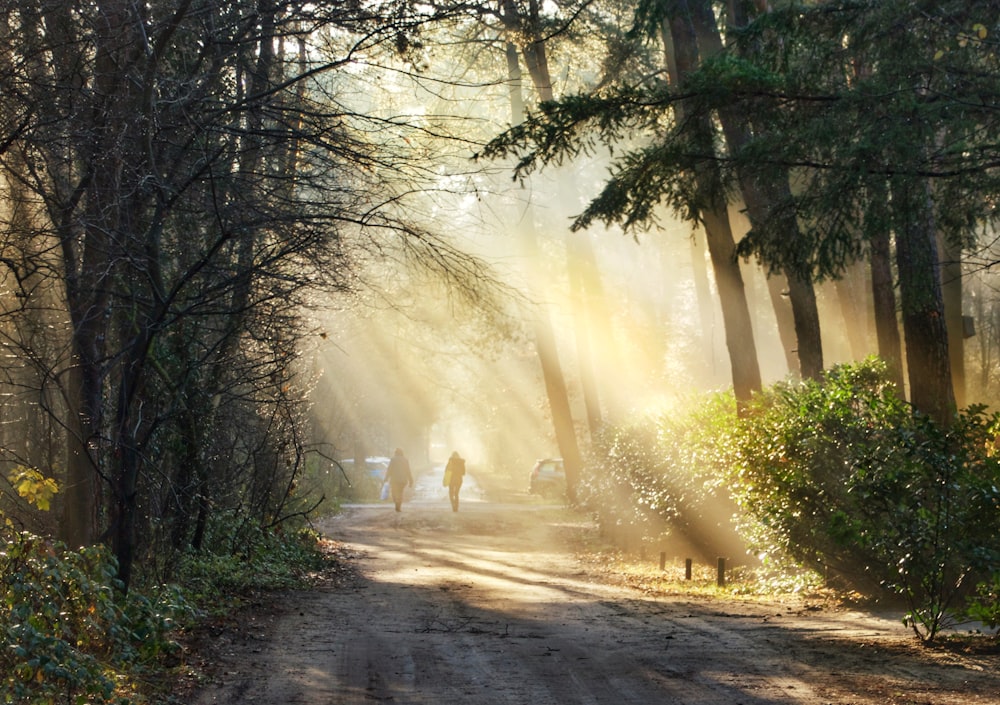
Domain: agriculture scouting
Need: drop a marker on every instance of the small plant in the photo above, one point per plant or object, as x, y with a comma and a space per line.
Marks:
66, 632
984, 605
267, 559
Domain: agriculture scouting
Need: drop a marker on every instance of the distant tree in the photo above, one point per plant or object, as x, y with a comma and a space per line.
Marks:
638, 184
525, 38
886, 85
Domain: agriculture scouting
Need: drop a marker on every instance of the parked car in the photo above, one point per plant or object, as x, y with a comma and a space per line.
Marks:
547, 478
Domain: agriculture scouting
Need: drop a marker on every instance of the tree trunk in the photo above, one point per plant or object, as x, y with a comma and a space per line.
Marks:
890, 348
582, 332
611, 392
83, 273
928, 365
951, 288
123, 124
715, 217
735, 311
703, 292
850, 296
778, 291
545, 342
807, 330
82, 491
762, 196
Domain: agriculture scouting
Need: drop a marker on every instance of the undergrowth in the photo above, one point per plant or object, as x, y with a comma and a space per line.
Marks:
69, 633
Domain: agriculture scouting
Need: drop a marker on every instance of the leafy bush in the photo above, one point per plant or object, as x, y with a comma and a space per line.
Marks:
849, 480
840, 477
69, 634
66, 632
245, 559
984, 606
658, 478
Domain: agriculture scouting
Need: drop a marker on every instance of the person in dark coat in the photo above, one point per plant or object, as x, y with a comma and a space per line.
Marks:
455, 470
399, 477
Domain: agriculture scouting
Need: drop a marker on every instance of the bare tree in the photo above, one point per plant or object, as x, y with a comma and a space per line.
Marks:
194, 180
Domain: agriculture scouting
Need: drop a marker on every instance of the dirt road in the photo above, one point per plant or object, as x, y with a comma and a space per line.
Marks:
490, 606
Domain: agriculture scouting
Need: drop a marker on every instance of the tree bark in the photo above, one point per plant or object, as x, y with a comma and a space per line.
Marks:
83, 276
928, 364
779, 293
890, 347
764, 197
582, 333
951, 289
714, 215
545, 342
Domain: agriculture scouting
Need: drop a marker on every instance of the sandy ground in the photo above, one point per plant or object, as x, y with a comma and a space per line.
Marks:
491, 605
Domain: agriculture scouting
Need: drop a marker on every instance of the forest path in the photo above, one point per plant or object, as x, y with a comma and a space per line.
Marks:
491, 606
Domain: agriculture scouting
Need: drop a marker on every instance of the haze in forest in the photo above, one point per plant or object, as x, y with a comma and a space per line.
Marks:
412, 360
327, 241
416, 366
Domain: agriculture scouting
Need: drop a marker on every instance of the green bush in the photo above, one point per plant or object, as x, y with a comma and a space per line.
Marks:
839, 476
245, 558
66, 632
984, 606
846, 478
658, 478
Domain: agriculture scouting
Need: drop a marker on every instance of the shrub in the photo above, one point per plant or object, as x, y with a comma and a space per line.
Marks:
839, 476
66, 632
246, 558
984, 606
658, 478
849, 480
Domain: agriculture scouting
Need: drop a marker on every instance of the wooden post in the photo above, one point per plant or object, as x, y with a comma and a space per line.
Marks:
687, 568
663, 560
722, 572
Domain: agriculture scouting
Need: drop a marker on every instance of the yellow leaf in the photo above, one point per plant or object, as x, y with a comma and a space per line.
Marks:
980, 30
938, 54
33, 486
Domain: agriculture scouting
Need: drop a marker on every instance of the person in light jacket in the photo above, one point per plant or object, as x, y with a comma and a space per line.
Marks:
399, 477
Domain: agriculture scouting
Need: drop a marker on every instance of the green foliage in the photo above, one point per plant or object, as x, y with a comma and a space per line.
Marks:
791, 458
268, 559
66, 632
837, 477
340, 482
845, 96
984, 606
847, 479
658, 477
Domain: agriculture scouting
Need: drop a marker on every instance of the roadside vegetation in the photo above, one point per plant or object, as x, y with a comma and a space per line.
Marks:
836, 477
245, 246
69, 633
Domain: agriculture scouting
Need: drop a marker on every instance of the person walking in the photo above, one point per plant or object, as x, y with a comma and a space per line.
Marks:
455, 472
399, 477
